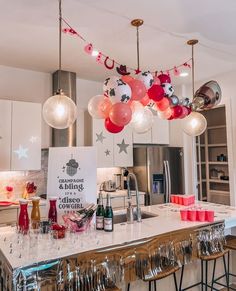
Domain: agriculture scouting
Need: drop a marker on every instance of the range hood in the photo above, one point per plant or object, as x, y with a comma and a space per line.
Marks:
65, 137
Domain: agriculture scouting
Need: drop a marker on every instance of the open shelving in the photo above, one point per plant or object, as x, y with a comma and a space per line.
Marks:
211, 144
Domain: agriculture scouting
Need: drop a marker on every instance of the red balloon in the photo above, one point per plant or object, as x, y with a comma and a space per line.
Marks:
163, 104
156, 93
184, 113
177, 111
145, 100
138, 89
120, 114
164, 78
127, 79
111, 127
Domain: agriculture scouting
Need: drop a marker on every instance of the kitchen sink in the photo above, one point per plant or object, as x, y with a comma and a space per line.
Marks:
121, 217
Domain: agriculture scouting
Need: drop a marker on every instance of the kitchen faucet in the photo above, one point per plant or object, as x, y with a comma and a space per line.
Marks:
130, 214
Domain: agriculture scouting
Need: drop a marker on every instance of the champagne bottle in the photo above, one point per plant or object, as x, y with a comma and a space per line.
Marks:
108, 216
100, 213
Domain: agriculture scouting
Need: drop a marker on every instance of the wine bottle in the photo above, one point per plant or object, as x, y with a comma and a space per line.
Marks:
108, 216
100, 213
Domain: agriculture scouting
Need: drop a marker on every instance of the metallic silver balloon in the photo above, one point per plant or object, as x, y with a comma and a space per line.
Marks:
174, 100
185, 102
207, 96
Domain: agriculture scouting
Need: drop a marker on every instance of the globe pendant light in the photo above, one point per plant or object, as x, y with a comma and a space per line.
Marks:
195, 124
59, 111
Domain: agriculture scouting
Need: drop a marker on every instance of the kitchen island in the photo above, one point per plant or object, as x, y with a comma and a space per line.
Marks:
26, 260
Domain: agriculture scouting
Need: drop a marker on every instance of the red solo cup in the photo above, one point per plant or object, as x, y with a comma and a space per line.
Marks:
192, 215
184, 214
176, 199
172, 198
181, 200
201, 215
185, 201
210, 215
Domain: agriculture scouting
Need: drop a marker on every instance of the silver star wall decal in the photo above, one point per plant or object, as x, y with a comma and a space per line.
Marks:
100, 137
107, 152
33, 139
123, 146
21, 152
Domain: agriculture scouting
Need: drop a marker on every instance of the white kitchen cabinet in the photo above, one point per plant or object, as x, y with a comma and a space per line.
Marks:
159, 133
103, 141
5, 135
26, 136
123, 148
20, 135
113, 150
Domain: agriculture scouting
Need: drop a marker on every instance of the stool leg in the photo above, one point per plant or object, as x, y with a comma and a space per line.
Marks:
206, 275
226, 273
201, 275
128, 287
213, 275
175, 281
150, 286
155, 285
181, 278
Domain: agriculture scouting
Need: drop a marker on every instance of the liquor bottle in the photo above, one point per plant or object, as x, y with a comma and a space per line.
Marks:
52, 213
35, 213
23, 221
108, 216
100, 213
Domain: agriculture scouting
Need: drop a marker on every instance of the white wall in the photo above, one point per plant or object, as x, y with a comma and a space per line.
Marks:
32, 86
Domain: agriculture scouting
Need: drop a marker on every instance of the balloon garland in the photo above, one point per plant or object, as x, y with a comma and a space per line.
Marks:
134, 101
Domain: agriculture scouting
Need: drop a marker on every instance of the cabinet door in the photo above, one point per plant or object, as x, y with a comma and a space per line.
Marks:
103, 141
160, 131
142, 138
5, 135
26, 136
123, 148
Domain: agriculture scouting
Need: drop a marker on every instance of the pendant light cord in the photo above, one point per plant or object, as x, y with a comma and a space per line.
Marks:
60, 33
193, 69
138, 66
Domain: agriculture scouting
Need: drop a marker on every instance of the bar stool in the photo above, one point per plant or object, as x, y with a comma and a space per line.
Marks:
230, 245
166, 273
204, 269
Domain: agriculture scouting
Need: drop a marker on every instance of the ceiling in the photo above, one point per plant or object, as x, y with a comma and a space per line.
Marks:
29, 35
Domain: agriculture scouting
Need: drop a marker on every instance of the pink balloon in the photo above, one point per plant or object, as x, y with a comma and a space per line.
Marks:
165, 114
138, 89
120, 114
127, 79
156, 81
145, 100
163, 104
105, 107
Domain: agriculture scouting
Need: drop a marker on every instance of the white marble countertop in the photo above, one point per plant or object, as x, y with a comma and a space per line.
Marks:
42, 248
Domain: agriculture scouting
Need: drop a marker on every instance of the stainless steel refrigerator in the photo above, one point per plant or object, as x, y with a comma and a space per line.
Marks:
160, 172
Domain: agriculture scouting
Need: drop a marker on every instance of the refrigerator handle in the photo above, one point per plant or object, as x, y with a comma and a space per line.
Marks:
166, 182
169, 180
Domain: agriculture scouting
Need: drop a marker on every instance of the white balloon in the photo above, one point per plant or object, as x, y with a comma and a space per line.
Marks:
110, 82
137, 112
120, 93
168, 89
144, 122
94, 105
194, 124
152, 105
147, 79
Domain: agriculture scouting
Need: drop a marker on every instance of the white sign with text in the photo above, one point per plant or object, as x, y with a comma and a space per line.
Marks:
72, 175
